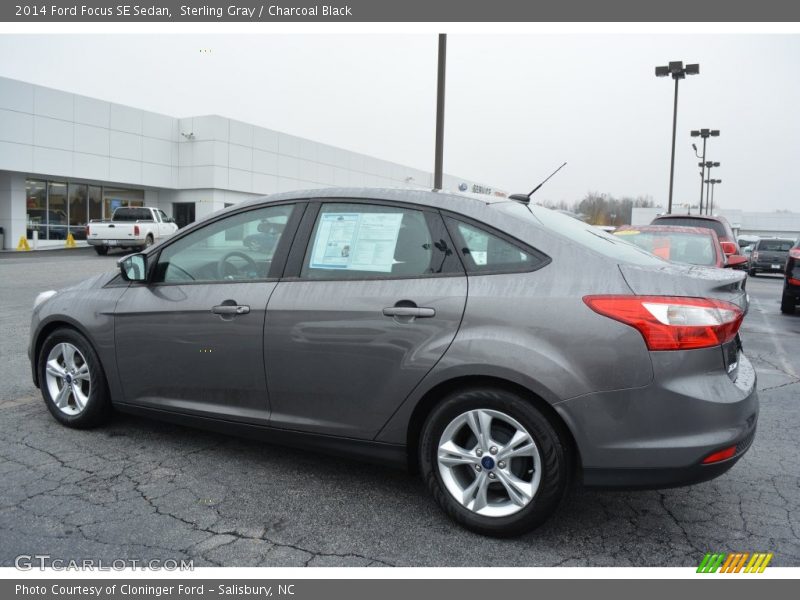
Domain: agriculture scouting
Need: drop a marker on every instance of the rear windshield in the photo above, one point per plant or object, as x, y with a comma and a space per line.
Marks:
775, 245
687, 248
132, 214
718, 227
581, 233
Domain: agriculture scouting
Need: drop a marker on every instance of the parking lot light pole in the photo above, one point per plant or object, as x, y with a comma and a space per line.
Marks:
713, 183
439, 155
703, 133
678, 72
708, 166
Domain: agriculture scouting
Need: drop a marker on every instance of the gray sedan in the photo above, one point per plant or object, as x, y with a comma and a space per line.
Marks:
502, 350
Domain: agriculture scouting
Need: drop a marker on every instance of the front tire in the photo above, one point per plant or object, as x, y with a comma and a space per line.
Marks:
493, 462
72, 380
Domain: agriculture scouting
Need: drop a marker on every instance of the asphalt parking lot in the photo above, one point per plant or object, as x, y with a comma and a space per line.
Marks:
139, 489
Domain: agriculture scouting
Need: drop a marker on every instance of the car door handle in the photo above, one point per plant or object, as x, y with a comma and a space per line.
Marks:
409, 311
230, 309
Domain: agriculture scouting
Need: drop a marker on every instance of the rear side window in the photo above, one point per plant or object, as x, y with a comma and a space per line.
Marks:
132, 214
485, 252
370, 241
775, 245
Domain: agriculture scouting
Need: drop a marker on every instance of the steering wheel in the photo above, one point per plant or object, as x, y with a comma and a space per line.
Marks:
223, 265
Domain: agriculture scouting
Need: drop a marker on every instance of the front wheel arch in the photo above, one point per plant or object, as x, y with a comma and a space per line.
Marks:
442, 390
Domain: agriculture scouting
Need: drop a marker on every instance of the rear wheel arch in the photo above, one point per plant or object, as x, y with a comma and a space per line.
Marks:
443, 389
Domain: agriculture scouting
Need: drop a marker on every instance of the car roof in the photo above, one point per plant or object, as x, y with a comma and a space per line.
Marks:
448, 200
668, 229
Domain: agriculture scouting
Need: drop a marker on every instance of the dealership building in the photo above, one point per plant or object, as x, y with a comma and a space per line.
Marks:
66, 159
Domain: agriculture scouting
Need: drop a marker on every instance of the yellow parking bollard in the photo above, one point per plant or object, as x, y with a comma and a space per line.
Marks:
70, 242
23, 244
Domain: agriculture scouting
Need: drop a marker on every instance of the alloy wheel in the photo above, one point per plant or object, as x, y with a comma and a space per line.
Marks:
489, 463
68, 378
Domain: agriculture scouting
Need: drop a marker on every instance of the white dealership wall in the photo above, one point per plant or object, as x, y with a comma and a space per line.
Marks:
49, 134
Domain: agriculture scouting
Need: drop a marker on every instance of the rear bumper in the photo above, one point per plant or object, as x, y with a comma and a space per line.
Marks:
768, 267
117, 243
658, 436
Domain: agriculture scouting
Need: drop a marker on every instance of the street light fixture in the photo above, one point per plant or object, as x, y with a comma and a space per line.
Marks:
708, 166
678, 72
705, 134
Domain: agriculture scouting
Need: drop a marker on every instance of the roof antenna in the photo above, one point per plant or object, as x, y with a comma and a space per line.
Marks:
526, 198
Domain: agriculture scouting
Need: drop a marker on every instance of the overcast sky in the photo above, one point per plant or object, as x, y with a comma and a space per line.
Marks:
517, 105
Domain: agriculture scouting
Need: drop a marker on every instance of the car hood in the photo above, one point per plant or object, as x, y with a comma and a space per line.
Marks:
96, 281
687, 280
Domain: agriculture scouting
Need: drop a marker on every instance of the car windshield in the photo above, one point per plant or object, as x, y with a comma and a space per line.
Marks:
775, 245
717, 226
132, 214
687, 248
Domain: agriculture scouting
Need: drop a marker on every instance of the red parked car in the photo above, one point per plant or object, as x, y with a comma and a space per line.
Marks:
718, 224
688, 245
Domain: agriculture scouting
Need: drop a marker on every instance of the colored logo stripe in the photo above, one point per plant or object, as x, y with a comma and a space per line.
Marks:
734, 562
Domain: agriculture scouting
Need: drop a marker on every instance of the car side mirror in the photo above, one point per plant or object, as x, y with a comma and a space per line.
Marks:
133, 267
735, 260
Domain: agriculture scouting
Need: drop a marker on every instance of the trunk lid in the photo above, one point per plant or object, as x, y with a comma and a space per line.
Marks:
686, 280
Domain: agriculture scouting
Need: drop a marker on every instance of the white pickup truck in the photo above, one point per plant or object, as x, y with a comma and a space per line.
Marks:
130, 227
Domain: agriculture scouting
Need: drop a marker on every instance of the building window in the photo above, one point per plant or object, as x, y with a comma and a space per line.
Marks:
95, 202
113, 198
36, 203
56, 208
57, 211
78, 210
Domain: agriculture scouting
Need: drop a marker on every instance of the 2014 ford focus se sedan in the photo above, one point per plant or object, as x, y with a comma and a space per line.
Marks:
503, 350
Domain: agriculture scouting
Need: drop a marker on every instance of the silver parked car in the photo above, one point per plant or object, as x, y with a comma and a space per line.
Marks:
503, 350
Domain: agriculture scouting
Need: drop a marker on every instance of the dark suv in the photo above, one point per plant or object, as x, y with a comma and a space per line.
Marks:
791, 280
769, 255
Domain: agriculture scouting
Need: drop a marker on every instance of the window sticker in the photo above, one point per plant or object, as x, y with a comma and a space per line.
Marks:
356, 241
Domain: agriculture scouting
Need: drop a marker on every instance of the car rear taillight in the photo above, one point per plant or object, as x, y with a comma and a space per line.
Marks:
720, 455
794, 252
673, 322
136, 230
755, 255
793, 281
728, 247
88, 232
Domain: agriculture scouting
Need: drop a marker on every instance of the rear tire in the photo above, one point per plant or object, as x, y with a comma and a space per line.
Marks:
148, 241
752, 272
515, 495
101, 250
787, 304
72, 380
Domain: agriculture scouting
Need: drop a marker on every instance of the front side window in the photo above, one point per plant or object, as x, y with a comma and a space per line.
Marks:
363, 241
484, 252
210, 254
